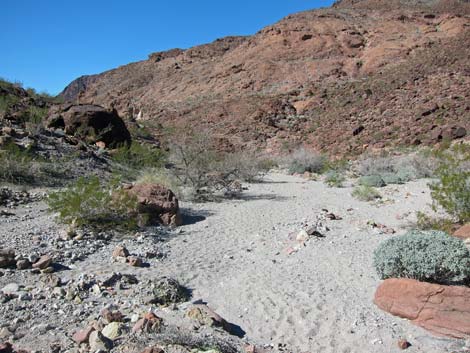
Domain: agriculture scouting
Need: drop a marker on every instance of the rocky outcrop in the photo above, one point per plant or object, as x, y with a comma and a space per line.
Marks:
90, 122
156, 205
442, 310
364, 74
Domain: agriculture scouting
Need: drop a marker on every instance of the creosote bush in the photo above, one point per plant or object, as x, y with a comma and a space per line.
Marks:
451, 191
88, 202
365, 193
430, 256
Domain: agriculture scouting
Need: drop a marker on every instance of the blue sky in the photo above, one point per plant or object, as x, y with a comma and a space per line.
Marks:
48, 43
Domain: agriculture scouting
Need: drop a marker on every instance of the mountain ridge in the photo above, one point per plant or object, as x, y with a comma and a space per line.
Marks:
267, 91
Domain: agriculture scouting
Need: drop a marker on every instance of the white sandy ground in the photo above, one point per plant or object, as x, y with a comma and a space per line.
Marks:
320, 299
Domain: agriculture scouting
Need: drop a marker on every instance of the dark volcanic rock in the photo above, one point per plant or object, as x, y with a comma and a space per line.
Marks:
91, 122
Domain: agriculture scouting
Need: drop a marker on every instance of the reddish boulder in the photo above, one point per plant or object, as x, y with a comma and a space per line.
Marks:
463, 232
156, 205
82, 336
91, 122
442, 310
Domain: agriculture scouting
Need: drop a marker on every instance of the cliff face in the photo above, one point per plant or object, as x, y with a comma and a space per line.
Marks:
361, 74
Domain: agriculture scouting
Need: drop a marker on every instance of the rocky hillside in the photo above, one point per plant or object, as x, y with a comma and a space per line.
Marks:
359, 75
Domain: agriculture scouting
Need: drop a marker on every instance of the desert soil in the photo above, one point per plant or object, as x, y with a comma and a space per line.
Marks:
241, 257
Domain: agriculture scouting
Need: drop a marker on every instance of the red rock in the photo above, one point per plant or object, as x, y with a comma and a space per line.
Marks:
149, 323
463, 232
82, 336
156, 204
403, 344
43, 262
442, 310
112, 315
319, 104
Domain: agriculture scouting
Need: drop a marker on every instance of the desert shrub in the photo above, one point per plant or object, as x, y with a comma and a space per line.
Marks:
365, 193
131, 159
372, 181
451, 191
430, 256
302, 161
426, 222
203, 171
334, 178
160, 176
18, 165
399, 169
93, 203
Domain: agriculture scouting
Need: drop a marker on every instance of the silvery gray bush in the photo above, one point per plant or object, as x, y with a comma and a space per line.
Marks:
430, 256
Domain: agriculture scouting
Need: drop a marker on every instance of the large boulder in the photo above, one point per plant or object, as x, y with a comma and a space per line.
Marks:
442, 310
90, 122
156, 205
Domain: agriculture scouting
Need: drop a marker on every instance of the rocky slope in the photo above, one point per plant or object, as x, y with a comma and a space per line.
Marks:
361, 74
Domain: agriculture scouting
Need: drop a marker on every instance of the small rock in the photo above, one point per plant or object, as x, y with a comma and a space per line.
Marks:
135, 261
113, 330
302, 236
82, 336
112, 315
11, 289
23, 264
98, 342
43, 262
33, 258
403, 344
120, 251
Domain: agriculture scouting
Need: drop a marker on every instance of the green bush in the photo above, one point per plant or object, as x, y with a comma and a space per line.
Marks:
430, 256
372, 181
425, 222
92, 203
130, 160
451, 191
23, 166
334, 178
365, 193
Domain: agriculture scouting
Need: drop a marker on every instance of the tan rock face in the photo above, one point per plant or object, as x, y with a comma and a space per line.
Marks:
442, 310
312, 78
